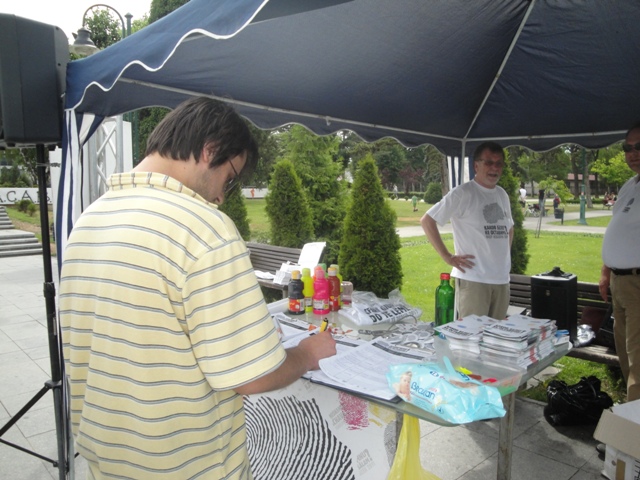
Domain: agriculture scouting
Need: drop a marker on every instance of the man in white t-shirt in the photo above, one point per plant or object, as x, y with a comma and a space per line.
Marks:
480, 213
621, 268
523, 196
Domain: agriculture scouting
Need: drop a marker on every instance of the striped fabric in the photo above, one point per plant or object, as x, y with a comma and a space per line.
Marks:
161, 318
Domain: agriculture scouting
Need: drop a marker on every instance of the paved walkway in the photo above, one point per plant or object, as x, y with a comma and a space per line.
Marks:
530, 223
541, 452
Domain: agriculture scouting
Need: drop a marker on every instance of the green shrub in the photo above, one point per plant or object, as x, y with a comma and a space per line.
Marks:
235, 207
31, 209
287, 208
370, 248
519, 248
23, 205
434, 193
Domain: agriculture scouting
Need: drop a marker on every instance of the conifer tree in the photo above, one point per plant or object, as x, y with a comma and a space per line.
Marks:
370, 248
519, 255
235, 207
287, 208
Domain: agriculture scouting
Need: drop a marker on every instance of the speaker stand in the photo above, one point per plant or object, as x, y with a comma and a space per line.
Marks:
55, 384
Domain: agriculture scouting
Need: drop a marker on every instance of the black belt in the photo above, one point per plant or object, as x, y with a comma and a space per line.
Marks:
626, 271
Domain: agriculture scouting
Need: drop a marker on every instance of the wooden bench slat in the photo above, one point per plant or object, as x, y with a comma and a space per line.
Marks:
269, 258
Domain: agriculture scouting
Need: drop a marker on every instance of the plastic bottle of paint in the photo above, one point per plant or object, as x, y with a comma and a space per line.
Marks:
296, 297
320, 293
337, 267
334, 290
307, 290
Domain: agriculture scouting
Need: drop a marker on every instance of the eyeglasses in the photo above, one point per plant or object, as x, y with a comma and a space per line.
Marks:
627, 147
491, 163
232, 182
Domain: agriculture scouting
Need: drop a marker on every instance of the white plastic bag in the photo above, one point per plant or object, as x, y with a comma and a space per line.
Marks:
367, 309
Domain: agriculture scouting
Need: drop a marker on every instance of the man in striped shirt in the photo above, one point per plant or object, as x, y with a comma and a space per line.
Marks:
164, 325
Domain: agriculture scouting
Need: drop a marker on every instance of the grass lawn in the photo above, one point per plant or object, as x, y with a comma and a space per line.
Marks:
591, 222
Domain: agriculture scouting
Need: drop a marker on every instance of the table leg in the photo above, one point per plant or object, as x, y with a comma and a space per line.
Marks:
505, 442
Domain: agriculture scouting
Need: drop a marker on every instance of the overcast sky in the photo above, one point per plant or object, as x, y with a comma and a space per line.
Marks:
67, 14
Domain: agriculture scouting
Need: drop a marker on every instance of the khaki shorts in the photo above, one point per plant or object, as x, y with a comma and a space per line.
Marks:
481, 299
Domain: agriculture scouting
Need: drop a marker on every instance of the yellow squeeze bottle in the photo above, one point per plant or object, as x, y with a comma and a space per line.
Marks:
307, 290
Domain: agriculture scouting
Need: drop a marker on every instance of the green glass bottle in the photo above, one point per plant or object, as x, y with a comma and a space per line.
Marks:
445, 296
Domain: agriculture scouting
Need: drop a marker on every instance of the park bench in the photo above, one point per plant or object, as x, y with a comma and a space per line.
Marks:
269, 258
591, 310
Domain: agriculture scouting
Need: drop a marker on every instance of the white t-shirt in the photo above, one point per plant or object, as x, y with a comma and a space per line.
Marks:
523, 194
481, 220
620, 245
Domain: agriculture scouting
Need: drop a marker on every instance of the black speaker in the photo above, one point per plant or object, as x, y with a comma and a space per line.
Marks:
554, 295
33, 67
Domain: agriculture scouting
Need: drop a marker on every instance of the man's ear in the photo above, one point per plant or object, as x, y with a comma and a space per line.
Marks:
208, 152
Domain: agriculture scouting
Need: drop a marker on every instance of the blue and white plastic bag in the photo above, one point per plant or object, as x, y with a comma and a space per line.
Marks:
445, 392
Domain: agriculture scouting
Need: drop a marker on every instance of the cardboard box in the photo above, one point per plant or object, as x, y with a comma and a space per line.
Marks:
620, 428
620, 466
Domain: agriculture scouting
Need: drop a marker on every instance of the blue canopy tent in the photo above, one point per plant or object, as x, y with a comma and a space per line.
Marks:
535, 73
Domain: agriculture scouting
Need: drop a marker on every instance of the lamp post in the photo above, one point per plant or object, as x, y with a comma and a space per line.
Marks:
84, 46
583, 165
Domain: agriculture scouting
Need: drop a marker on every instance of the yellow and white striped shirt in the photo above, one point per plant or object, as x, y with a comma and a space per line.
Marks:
161, 318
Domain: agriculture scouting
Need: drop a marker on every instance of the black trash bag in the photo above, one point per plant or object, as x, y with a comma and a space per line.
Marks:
579, 404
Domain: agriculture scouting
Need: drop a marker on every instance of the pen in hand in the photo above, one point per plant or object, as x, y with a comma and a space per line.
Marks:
324, 325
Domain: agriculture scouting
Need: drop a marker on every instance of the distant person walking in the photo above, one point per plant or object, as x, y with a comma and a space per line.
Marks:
414, 202
621, 268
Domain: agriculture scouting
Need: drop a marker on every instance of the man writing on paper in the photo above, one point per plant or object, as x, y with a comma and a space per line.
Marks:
164, 325
480, 214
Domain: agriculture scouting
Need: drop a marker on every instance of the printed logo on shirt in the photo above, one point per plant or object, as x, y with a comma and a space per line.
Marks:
627, 207
493, 213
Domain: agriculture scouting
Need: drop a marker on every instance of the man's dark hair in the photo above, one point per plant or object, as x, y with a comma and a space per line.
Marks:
636, 126
493, 147
198, 121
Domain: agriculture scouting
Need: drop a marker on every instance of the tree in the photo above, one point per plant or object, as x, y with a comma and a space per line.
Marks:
614, 171
316, 162
287, 208
162, 8
268, 151
236, 209
519, 254
558, 187
434, 193
370, 248
105, 27
25, 166
149, 118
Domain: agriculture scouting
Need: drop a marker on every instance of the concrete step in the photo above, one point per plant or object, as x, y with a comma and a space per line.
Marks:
20, 253
18, 247
16, 243
19, 241
17, 235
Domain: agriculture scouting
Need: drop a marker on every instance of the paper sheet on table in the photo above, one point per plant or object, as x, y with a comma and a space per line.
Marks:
264, 275
343, 345
363, 369
310, 255
292, 327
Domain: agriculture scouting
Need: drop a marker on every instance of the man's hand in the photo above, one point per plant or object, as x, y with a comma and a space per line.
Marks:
461, 262
299, 361
318, 346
